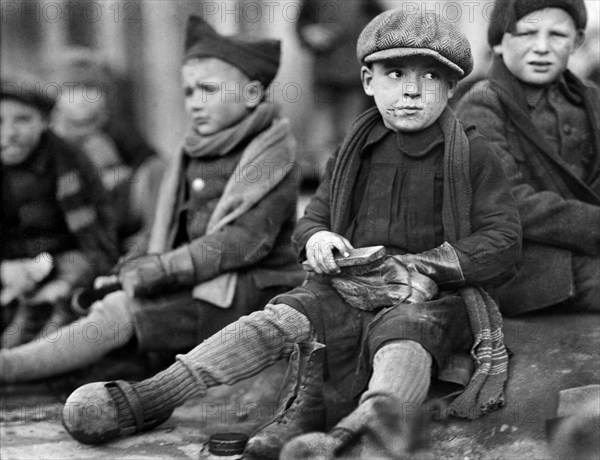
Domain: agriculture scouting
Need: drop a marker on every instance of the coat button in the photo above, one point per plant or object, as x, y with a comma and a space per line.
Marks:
567, 129
198, 185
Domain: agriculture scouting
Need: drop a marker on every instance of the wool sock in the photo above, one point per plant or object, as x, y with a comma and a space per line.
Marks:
237, 352
401, 370
83, 342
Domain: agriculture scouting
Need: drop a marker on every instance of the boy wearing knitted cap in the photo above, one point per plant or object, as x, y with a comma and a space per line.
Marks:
220, 245
543, 123
407, 177
58, 230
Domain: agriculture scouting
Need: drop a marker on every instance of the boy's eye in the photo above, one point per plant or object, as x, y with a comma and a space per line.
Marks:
527, 33
395, 74
22, 119
187, 91
430, 76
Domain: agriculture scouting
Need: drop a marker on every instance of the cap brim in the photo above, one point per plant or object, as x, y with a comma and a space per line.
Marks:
393, 53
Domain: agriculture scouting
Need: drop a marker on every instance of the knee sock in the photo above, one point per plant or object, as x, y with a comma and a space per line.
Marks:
238, 351
107, 327
402, 370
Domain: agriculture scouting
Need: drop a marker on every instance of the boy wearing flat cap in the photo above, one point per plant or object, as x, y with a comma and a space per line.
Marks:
544, 124
57, 228
407, 177
220, 246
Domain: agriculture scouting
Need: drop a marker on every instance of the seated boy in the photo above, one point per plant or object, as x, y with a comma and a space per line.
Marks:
407, 177
57, 227
543, 123
132, 183
220, 246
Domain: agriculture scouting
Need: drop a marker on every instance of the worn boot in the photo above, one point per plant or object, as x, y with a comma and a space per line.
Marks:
382, 420
301, 406
25, 324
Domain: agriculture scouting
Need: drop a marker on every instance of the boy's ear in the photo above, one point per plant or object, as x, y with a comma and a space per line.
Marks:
452, 85
366, 76
253, 94
579, 39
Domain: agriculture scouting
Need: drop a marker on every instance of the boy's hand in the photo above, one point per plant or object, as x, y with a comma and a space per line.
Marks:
319, 251
319, 37
51, 292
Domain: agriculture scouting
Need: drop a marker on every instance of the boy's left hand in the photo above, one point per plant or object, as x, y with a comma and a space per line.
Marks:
51, 292
319, 251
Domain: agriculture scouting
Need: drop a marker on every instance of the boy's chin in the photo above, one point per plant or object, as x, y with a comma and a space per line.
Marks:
540, 79
412, 126
14, 155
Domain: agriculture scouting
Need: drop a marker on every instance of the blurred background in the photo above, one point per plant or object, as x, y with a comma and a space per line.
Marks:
133, 48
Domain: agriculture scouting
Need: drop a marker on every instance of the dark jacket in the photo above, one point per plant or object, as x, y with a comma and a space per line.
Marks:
487, 256
560, 212
54, 202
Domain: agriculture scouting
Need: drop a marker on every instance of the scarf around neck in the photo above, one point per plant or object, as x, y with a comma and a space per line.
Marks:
222, 142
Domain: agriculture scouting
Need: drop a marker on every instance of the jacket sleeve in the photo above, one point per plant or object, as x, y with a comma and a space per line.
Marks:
546, 216
316, 216
242, 243
490, 255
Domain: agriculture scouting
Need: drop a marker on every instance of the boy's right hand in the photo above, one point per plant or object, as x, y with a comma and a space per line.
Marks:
319, 251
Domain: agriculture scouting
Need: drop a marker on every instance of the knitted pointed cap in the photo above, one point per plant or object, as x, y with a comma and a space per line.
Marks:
257, 58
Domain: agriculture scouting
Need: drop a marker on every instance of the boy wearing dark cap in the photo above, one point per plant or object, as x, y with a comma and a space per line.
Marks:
407, 177
544, 124
220, 245
57, 228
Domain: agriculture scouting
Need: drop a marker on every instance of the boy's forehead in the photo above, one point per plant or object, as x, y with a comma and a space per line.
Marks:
16, 105
210, 68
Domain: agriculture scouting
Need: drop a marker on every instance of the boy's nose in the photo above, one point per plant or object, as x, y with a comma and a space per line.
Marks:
411, 89
540, 45
8, 133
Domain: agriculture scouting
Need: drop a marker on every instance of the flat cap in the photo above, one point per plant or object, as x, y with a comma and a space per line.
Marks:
28, 89
507, 12
397, 33
257, 58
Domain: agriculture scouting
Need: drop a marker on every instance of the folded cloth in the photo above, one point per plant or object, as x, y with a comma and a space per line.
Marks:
384, 283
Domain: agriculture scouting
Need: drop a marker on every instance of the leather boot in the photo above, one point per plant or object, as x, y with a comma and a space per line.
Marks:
25, 324
301, 405
380, 423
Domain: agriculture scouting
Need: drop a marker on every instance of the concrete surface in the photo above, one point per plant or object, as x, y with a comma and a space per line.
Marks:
551, 353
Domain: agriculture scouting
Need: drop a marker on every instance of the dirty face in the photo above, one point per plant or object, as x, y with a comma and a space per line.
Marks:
538, 50
410, 92
21, 126
217, 94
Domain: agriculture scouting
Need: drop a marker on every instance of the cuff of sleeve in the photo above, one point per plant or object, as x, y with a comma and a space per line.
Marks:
179, 266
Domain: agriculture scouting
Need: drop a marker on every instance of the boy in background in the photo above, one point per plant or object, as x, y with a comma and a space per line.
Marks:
544, 125
57, 226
